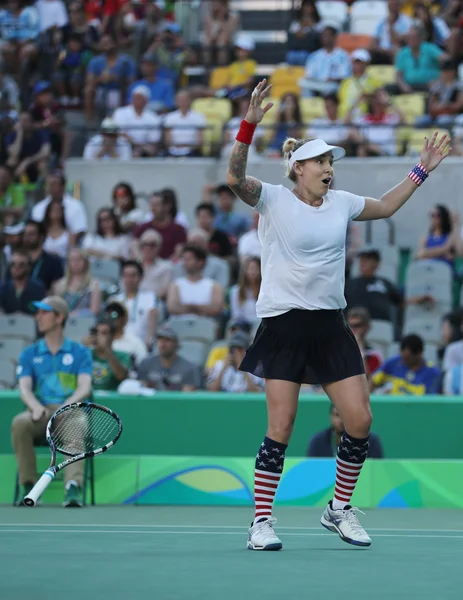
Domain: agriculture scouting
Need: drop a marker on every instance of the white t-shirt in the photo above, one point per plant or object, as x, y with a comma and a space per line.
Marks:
51, 13
138, 309
246, 310
131, 344
232, 380
117, 246
184, 131
142, 129
95, 144
249, 244
58, 246
303, 250
74, 213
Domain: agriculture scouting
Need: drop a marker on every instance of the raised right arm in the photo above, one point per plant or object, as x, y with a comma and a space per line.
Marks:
245, 187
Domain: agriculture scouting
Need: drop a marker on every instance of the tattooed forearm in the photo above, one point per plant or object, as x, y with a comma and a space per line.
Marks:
246, 188
238, 161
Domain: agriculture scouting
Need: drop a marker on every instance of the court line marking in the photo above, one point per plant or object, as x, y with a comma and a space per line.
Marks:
240, 527
177, 532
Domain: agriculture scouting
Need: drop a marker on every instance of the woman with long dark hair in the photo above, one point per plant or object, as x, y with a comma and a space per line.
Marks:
109, 241
438, 243
58, 239
125, 206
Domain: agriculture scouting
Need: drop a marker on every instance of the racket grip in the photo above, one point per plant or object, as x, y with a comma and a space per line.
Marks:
39, 488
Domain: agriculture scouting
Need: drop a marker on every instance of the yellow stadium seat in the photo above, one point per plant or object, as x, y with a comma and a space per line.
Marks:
285, 79
412, 105
402, 136
219, 78
270, 118
383, 74
213, 135
312, 108
215, 108
416, 138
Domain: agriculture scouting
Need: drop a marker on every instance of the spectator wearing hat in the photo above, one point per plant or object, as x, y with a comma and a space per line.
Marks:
28, 150
108, 144
161, 91
13, 239
184, 128
242, 71
139, 125
225, 375
47, 116
360, 83
109, 75
166, 370
377, 294
219, 350
326, 68
19, 292
74, 210
52, 372
123, 339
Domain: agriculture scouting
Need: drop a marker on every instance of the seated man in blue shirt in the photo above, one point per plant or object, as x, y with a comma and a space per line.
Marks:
324, 444
52, 372
162, 92
408, 373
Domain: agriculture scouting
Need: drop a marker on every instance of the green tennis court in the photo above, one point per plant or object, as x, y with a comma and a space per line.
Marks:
187, 553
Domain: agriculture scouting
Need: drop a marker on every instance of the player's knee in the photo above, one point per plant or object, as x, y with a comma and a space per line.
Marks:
361, 424
281, 429
21, 422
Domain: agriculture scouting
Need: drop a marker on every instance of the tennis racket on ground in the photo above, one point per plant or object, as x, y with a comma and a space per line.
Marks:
80, 430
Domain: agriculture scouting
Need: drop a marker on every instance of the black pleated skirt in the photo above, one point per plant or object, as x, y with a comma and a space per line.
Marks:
304, 346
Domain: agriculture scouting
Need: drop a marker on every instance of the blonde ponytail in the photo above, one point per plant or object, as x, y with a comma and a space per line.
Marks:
290, 145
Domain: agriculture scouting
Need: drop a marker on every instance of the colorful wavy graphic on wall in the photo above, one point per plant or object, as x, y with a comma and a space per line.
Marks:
229, 482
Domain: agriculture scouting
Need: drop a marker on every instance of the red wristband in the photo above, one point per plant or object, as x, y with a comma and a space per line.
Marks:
246, 132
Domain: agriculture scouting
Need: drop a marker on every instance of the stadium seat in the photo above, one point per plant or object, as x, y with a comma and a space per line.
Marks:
412, 105
212, 136
365, 16
7, 374
381, 334
216, 108
312, 108
352, 41
78, 327
428, 329
285, 79
428, 271
18, 326
383, 74
195, 351
333, 11
194, 328
10, 349
104, 269
430, 312
416, 139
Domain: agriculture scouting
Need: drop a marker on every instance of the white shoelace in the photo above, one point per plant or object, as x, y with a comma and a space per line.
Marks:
352, 519
269, 522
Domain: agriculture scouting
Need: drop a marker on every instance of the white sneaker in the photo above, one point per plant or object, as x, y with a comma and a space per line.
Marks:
262, 537
345, 523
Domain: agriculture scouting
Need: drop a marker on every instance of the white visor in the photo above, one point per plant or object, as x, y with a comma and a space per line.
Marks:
313, 149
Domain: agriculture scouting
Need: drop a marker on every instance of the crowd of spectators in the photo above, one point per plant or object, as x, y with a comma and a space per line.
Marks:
170, 270
124, 67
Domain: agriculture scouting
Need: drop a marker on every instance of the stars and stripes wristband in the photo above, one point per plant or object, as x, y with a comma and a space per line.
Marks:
418, 174
246, 132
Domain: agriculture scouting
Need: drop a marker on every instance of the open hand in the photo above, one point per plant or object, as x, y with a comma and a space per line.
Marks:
434, 151
255, 112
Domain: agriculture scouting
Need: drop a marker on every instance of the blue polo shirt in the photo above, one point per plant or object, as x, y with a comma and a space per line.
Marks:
54, 376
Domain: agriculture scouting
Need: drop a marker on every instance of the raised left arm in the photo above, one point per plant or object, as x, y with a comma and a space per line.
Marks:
432, 154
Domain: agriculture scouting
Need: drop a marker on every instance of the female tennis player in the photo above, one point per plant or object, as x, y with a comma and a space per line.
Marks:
303, 337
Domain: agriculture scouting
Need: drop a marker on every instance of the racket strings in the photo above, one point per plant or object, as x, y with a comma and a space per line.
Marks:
83, 429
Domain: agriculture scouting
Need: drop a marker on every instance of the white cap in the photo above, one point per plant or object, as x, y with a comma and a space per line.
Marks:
142, 90
313, 149
109, 125
245, 42
361, 54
